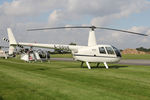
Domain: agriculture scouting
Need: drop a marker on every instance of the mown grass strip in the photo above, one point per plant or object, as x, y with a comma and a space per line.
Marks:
67, 81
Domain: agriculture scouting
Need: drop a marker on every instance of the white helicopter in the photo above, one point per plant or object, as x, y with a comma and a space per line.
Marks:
92, 53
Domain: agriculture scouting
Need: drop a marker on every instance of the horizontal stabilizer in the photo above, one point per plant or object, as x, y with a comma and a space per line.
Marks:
5, 39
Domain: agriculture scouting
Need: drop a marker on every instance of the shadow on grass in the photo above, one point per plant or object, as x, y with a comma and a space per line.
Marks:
110, 67
1, 98
41, 68
100, 67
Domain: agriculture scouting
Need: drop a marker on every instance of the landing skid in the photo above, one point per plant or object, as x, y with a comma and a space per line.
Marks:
106, 65
82, 64
89, 67
97, 64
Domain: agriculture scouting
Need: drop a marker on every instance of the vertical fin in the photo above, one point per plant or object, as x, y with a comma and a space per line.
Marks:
92, 38
11, 37
12, 41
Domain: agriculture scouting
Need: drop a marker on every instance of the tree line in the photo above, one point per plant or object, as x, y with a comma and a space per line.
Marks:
143, 49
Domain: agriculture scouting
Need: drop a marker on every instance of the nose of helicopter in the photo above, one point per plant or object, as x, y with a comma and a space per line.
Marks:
118, 56
116, 60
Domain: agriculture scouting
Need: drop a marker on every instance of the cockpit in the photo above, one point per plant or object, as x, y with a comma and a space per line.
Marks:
110, 50
117, 51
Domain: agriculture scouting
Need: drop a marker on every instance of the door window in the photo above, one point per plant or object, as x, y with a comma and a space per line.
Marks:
110, 50
102, 50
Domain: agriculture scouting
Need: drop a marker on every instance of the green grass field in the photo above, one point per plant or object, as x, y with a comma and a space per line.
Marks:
67, 81
125, 56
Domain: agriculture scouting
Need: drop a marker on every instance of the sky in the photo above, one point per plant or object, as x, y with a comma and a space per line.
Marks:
131, 15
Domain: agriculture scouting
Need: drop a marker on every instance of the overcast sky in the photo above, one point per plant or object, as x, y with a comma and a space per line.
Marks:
132, 15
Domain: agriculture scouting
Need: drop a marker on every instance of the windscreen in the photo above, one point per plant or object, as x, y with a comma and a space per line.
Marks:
117, 51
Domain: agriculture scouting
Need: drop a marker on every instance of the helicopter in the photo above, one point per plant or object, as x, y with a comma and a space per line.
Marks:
93, 53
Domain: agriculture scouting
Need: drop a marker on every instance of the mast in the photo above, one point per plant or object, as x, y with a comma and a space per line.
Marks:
92, 38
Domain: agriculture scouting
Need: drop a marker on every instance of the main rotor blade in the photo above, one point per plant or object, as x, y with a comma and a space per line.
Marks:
58, 28
122, 31
91, 27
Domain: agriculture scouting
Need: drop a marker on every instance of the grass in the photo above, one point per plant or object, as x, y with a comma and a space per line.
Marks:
67, 81
125, 56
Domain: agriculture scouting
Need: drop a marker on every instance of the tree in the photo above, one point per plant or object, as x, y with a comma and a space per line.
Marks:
143, 49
